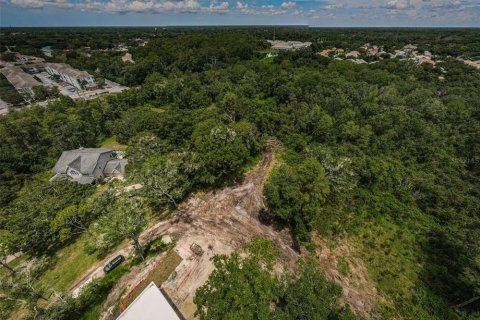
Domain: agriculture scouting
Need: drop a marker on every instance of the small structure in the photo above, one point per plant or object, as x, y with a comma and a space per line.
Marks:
409, 47
400, 54
23, 58
92, 86
68, 74
85, 165
127, 57
325, 53
475, 64
47, 51
151, 304
352, 54
196, 249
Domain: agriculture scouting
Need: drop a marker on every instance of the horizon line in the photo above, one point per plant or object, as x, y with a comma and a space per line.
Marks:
246, 25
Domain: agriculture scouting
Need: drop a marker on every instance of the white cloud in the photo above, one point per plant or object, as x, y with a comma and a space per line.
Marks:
334, 6
398, 4
241, 5
220, 8
39, 4
288, 5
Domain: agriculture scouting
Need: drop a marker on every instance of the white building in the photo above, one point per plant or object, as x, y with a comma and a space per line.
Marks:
68, 74
151, 304
288, 45
47, 51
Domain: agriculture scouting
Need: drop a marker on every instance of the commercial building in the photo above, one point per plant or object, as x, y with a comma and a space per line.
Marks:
288, 45
70, 75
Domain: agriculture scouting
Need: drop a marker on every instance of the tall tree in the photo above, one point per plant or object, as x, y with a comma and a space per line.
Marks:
294, 195
125, 219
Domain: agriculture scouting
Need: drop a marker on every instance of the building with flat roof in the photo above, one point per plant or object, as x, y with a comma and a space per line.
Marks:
151, 304
288, 45
68, 74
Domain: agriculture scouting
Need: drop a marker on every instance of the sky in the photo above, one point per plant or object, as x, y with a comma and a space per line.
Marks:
315, 13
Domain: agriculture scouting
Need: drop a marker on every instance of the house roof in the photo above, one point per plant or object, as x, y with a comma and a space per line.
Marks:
18, 78
151, 304
115, 166
68, 70
84, 160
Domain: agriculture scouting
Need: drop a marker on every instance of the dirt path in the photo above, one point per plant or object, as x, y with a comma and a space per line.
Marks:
222, 219
220, 222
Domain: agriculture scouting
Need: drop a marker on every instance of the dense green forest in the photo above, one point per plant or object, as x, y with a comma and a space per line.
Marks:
386, 155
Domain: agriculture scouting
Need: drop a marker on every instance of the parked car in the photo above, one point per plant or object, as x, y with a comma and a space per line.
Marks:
113, 263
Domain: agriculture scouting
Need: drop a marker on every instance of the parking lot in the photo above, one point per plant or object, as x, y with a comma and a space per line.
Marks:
64, 88
74, 93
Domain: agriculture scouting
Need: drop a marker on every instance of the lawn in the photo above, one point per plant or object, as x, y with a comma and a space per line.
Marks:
158, 275
69, 264
267, 60
111, 143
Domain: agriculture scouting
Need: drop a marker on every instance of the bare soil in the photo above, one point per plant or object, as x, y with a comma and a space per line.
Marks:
220, 222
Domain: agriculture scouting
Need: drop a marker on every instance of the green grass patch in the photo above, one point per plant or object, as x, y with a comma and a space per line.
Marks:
94, 300
265, 51
252, 162
267, 59
111, 143
93, 312
157, 275
159, 110
69, 264
343, 267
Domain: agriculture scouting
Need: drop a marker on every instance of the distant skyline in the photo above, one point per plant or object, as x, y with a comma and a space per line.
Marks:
315, 13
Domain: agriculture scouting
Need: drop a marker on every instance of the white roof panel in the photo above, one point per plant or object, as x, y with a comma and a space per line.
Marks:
151, 304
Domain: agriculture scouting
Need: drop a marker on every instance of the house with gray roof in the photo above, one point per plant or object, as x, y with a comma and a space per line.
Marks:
86, 165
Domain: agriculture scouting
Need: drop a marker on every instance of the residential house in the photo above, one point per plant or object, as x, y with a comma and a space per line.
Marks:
325, 53
85, 165
352, 54
409, 48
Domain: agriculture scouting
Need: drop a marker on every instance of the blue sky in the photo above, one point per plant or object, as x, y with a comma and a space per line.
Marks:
323, 13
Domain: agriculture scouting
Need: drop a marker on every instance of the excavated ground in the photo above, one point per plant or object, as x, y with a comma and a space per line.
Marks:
220, 222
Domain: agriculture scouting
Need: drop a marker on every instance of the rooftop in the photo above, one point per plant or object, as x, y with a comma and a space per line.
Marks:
18, 78
65, 68
151, 304
287, 45
84, 160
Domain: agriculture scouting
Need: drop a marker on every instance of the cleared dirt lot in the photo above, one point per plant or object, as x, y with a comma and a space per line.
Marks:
220, 222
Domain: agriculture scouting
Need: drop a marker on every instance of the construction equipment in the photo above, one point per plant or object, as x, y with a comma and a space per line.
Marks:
196, 249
